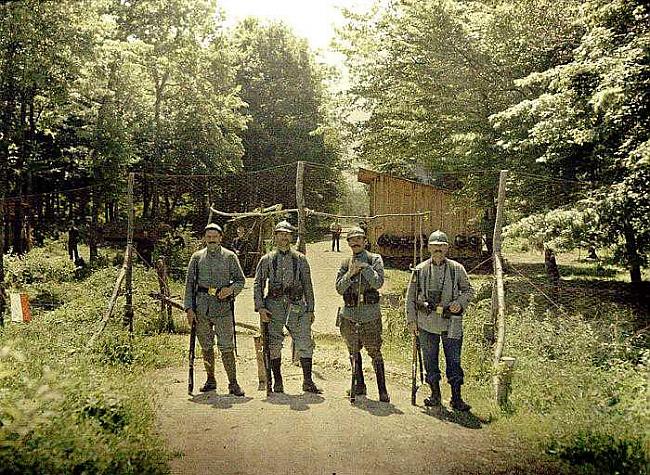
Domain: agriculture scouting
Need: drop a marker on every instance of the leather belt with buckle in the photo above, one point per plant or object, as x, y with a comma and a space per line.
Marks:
208, 290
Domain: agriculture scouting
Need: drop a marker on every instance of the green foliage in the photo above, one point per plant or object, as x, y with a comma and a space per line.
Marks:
596, 453
67, 410
588, 122
43, 264
282, 86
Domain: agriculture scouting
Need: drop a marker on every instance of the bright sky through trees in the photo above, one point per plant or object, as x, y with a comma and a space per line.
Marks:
311, 19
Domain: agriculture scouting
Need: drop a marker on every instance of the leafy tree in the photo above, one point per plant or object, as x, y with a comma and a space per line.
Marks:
429, 74
590, 123
283, 88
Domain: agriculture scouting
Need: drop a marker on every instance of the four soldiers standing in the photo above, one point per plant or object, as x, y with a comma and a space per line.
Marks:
437, 295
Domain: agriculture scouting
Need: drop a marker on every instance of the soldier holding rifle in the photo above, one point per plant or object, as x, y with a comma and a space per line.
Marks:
214, 278
358, 281
438, 293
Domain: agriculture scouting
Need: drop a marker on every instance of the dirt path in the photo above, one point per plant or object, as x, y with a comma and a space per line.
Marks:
303, 433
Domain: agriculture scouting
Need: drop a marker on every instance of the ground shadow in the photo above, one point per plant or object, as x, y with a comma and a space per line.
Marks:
296, 402
464, 419
376, 408
219, 401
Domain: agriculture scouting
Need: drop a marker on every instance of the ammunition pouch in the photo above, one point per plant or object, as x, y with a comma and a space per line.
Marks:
293, 293
429, 306
368, 297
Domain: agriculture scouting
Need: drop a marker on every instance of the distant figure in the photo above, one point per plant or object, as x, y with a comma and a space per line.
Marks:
591, 254
335, 229
73, 242
241, 247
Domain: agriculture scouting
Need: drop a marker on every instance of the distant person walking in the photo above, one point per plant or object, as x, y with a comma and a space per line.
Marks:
336, 229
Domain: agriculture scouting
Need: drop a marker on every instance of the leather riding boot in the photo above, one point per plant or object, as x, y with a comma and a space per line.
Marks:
435, 399
360, 385
308, 384
276, 364
381, 380
208, 362
228, 359
456, 401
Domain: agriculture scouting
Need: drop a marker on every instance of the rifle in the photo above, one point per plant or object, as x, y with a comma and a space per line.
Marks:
190, 378
416, 362
417, 350
234, 329
353, 382
267, 356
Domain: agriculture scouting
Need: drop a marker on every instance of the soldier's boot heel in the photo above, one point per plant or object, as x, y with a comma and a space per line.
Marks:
456, 401
381, 380
276, 364
435, 400
308, 384
210, 385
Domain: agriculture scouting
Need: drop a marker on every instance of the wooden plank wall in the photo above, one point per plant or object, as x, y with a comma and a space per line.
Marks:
391, 195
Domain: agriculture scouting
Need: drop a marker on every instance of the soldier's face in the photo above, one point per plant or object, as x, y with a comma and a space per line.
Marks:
212, 238
283, 239
438, 251
357, 243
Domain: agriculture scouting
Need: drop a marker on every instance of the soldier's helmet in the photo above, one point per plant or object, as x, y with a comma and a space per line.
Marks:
356, 232
284, 227
213, 227
438, 237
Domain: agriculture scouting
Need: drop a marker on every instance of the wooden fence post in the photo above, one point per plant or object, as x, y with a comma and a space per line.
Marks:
128, 308
300, 204
166, 320
499, 298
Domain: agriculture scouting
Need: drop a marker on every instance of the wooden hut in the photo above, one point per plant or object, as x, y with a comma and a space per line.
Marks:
397, 237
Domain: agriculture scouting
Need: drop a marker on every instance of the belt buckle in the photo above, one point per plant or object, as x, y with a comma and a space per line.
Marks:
212, 291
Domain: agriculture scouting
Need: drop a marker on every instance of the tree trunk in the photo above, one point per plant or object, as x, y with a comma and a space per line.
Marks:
632, 252
552, 269
3, 302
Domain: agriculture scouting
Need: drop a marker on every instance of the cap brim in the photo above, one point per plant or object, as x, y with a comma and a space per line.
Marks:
438, 242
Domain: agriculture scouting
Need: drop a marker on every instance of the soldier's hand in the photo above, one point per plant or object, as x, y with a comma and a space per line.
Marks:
265, 315
311, 317
225, 293
354, 268
190, 316
455, 308
413, 328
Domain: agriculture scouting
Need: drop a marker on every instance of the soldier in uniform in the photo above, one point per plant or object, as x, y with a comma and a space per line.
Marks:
289, 301
437, 295
214, 278
358, 281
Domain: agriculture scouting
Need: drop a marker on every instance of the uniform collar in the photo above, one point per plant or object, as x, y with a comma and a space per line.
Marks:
213, 253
